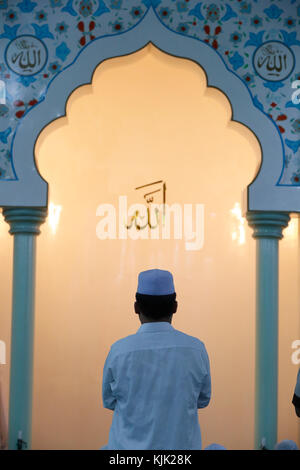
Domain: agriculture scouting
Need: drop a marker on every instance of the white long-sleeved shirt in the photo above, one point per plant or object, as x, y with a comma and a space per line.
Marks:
155, 381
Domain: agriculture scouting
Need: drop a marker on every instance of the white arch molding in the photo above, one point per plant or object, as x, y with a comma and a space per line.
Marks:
262, 194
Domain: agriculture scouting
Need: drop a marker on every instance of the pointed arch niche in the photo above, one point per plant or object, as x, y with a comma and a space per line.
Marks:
104, 128
145, 117
262, 193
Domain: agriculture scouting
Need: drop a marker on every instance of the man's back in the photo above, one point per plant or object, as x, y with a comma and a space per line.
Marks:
155, 380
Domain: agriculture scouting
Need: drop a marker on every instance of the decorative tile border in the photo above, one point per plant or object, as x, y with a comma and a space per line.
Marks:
255, 39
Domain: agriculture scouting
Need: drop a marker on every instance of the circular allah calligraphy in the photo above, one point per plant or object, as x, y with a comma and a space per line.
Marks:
273, 61
26, 55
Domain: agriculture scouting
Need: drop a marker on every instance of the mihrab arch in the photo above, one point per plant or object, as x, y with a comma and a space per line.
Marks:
266, 204
264, 193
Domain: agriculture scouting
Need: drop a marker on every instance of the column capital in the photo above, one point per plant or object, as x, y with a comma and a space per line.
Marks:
267, 224
25, 219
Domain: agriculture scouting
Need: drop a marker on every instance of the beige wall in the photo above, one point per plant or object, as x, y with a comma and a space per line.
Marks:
147, 117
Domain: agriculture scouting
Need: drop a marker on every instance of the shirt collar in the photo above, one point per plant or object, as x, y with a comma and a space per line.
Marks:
154, 327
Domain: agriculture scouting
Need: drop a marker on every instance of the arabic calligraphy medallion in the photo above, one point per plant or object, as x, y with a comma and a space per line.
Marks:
26, 55
273, 61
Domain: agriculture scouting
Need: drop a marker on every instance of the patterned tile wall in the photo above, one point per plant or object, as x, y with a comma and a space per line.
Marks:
257, 39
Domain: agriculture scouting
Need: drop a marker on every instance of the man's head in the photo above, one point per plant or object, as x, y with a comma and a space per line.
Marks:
155, 297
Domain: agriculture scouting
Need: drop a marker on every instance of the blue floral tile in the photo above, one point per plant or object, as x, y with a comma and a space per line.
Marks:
238, 31
273, 12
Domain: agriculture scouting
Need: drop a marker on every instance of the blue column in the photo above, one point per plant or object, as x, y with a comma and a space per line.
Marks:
24, 226
267, 228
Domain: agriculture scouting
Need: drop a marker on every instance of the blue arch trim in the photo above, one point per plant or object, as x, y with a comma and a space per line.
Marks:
259, 194
243, 84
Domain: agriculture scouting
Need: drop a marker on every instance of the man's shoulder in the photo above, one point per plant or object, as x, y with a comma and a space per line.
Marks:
180, 339
122, 341
192, 340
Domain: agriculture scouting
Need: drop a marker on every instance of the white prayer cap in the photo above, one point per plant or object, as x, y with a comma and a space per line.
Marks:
155, 282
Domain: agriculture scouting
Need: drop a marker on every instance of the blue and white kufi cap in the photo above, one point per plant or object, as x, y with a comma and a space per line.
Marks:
155, 282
